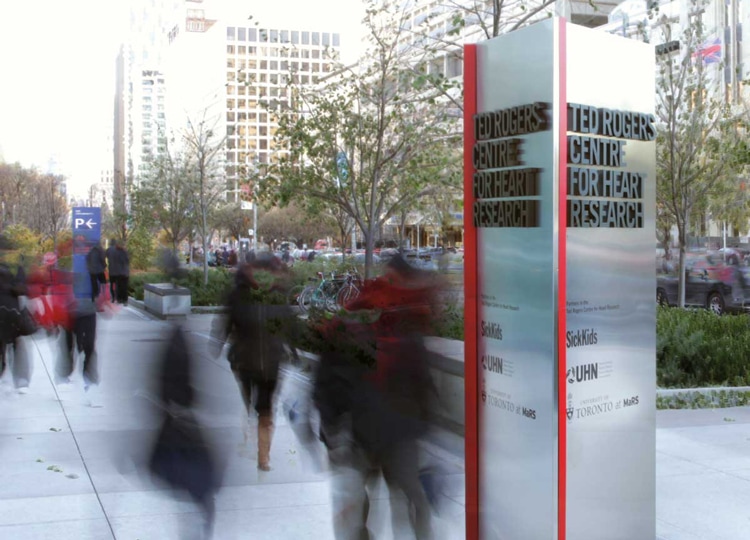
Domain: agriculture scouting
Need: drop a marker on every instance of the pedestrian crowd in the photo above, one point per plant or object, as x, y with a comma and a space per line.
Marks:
362, 417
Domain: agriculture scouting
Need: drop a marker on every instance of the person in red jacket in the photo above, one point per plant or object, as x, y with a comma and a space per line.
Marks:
378, 348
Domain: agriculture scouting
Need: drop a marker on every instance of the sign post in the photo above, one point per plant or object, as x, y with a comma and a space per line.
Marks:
560, 309
86, 233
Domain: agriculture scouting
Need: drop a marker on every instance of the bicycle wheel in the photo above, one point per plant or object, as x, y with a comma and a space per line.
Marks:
304, 300
292, 298
347, 293
318, 299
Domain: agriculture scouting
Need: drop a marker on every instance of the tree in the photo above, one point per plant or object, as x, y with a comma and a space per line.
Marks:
203, 145
52, 209
232, 219
692, 132
365, 139
295, 223
166, 193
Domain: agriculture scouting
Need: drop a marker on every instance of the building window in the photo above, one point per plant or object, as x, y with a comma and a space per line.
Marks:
295, 37
252, 35
316, 38
305, 38
326, 39
274, 36
241, 49
230, 33
316, 53
230, 117
230, 63
263, 35
274, 65
285, 36
454, 66
241, 34
336, 40
230, 49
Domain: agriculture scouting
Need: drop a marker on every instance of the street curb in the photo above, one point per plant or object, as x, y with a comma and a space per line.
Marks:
703, 398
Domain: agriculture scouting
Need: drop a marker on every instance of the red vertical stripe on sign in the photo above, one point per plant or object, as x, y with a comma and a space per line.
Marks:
471, 437
562, 284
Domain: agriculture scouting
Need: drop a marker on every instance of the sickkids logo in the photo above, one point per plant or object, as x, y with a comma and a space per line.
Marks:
581, 338
492, 330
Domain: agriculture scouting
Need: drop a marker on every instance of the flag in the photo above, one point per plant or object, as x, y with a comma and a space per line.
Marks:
710, 51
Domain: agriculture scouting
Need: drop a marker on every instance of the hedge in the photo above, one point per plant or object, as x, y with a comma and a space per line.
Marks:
696, 348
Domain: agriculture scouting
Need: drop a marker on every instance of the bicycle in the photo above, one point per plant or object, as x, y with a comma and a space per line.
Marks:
324, 296
350, 290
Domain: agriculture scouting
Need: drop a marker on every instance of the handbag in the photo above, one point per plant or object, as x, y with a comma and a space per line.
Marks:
26, 325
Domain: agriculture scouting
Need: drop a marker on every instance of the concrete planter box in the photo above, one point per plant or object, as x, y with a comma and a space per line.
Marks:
166, 301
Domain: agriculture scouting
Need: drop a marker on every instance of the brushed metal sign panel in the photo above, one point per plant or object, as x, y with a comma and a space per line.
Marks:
516, 328
610, 295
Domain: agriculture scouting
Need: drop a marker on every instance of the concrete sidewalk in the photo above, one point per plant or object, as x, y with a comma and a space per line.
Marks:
71, 471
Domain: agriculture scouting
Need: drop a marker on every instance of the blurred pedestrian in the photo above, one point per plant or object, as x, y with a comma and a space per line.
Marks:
387, 413
13, 324
114, 268
123, 266
80, 337
347, 357
255, 349
96, 265
181, 455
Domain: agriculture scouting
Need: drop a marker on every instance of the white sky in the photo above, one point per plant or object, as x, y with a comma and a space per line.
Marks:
57, 65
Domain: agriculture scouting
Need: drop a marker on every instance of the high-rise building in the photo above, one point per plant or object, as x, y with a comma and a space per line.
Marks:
139, 108
259, 62
223, 68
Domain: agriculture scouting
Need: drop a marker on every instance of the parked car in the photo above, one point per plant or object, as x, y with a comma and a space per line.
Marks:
710, 282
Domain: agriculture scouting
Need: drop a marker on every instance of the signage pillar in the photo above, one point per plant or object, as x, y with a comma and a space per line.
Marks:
559, 185
86, 233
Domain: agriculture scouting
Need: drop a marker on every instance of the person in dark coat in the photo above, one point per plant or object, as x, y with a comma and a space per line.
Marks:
182, 456
123, 265
10, 311
80, 335
255, 351
114, 268
96, 265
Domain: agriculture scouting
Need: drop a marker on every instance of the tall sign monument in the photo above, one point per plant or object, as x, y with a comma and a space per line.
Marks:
559, 192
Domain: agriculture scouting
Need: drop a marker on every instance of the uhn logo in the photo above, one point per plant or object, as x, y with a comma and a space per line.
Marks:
586, 372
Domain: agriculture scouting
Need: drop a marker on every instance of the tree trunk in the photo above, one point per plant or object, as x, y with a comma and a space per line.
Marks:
205, 247
369, 234
682, 234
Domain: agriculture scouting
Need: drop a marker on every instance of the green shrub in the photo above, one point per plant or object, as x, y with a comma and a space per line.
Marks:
696, 348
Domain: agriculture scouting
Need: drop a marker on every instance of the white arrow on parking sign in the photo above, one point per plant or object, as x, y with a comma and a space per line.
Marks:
79, 222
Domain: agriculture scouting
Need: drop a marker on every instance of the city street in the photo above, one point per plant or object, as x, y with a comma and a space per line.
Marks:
72, 471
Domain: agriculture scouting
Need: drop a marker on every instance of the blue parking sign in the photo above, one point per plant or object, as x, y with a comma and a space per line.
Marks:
87, 228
